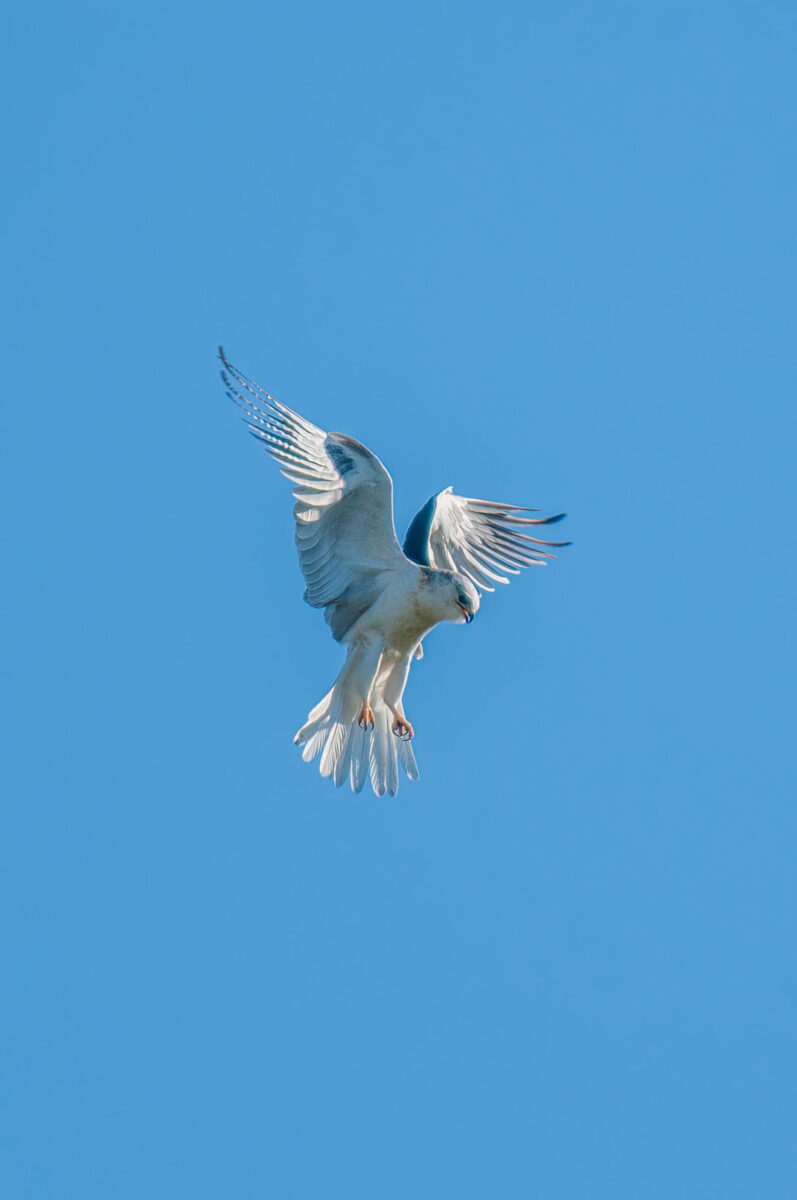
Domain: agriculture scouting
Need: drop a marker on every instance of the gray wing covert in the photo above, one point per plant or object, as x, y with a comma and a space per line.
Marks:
476, 538
345, 534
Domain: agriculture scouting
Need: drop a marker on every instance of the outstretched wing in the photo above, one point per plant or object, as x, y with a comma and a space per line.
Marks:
477, 538
344, 504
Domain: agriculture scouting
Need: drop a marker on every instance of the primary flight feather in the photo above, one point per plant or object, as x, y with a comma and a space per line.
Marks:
379, 599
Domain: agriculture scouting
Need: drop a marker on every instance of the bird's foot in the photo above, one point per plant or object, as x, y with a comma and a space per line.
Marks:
403, 729
366, 717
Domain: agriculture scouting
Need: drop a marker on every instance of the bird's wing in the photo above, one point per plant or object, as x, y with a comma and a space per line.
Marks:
477, 538
344, 504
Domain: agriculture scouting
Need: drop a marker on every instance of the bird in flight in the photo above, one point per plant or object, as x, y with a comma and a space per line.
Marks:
379, 599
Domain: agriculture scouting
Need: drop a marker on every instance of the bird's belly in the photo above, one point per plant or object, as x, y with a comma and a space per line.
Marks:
405, 633
397, 619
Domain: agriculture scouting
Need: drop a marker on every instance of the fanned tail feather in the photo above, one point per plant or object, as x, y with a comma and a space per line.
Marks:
360, 741
407, 759
384, 767
350, 752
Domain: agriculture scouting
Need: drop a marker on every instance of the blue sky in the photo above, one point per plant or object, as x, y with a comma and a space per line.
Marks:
543, 253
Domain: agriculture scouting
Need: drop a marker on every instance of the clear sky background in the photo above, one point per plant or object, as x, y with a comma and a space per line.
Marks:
545, 253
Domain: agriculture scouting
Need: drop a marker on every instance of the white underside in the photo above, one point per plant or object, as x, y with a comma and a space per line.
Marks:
381, 646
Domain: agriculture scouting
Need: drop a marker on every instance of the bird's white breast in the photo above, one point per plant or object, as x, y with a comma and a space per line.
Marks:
402, 614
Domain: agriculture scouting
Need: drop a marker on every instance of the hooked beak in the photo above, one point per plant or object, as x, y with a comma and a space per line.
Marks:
467, 614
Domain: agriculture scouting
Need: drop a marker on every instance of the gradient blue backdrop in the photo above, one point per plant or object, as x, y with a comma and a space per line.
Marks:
542, 252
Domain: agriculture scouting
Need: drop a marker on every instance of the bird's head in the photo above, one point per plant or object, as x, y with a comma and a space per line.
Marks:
464, 597
450, 596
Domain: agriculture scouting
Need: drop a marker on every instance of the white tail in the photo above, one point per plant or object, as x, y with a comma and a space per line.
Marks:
349, 751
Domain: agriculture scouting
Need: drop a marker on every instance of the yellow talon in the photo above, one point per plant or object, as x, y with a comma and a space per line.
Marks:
403, 729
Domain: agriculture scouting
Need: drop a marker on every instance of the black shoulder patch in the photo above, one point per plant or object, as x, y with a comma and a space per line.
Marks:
416, 543
353, 444
341, 460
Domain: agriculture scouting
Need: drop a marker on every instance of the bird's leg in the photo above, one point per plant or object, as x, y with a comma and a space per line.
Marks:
392, 694
401, 726
366, 717
360, 672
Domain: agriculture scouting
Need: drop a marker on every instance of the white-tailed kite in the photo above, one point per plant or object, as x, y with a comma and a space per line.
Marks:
378, 599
